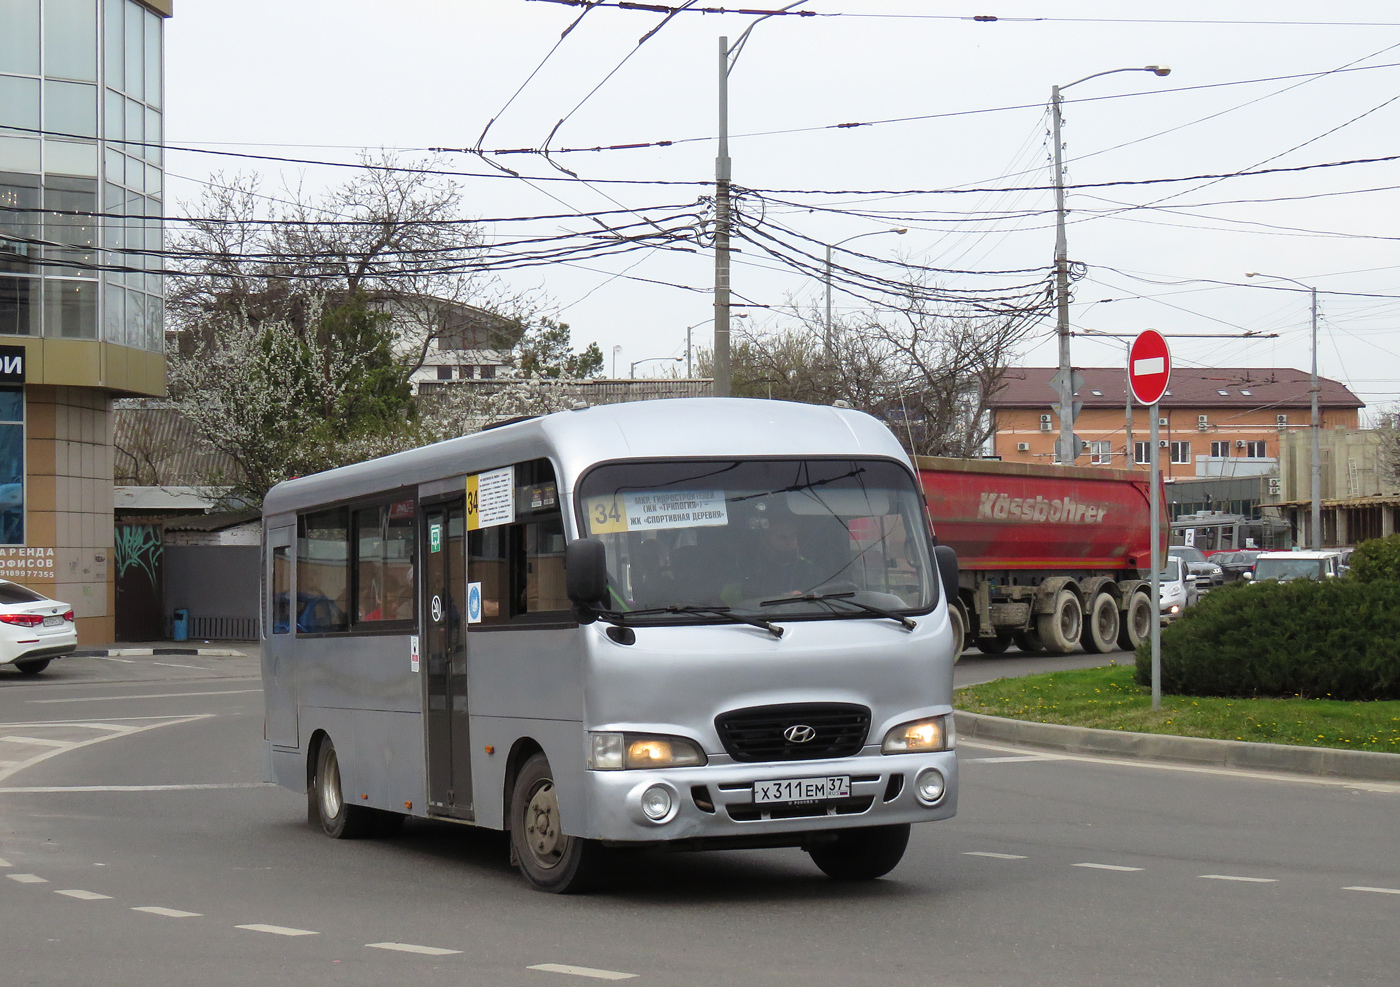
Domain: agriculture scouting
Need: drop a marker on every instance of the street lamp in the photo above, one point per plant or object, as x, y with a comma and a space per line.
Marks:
1316, 422
1067, 452
616, 350
829, 247
688, 349
633, 372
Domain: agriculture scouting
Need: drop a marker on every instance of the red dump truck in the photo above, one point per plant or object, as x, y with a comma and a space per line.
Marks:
1052, 558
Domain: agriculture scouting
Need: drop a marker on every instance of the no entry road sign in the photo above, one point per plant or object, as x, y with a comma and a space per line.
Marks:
1149, 367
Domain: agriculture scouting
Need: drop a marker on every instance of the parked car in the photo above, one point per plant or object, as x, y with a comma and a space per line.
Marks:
1178, 589
34, 629
1284, 566
1236, 564
1206, 571
1344, 561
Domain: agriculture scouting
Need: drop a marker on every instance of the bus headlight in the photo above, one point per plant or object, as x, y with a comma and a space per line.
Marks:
626, 751
932, 734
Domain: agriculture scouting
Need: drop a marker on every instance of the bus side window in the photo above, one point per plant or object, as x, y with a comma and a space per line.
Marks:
323, 571
486, 564
281, 590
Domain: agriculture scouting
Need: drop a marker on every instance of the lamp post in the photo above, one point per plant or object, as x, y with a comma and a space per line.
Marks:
616, 350
827, 338
1316, 421
632, 373
1065, 446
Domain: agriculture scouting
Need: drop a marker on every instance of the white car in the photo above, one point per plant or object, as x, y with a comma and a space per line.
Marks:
1178, 589
34, 630
1284, 566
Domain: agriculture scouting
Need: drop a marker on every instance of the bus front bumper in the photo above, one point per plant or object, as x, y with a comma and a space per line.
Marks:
717, 802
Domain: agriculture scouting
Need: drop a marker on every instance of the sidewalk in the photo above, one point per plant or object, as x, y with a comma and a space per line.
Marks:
208, 649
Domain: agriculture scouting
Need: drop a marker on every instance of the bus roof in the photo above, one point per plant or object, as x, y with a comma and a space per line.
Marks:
575, 440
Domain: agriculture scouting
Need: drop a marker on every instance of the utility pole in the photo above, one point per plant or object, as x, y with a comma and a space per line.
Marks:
722, 175
1316, 438
1065, 445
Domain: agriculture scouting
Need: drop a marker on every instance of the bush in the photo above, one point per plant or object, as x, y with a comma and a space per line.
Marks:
1338, 638
1377, 559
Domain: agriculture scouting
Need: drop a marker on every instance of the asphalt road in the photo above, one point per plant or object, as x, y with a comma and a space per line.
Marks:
138, 847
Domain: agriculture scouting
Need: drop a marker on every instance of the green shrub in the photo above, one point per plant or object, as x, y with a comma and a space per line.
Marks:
1376, 559
1337, 638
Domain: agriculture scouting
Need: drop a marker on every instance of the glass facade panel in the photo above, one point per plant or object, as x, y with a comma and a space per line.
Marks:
19, 102
12, 483
69, 221
135, 315
19, 217
134, 75
19, 306
70, 39
114, 318
70, 158
70, 109
70, 309
112, 18
114, 166
19, 154
19, 42
152, 136
152, 60
115, 122
155, 325
135, 126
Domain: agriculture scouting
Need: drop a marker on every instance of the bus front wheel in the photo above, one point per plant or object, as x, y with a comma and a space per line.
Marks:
326, 802
862, 854
549, 859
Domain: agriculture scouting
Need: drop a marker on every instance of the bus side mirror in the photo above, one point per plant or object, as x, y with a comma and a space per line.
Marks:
947, 570
586, 572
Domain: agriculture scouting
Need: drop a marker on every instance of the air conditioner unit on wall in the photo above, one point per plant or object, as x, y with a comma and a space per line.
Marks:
1282, 421
1161, 443
1045, 425
1239, 443
1161, 421
1023, 447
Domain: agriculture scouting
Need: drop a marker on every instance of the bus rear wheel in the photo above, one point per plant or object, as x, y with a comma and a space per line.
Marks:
549, 859
862, 854
326, 804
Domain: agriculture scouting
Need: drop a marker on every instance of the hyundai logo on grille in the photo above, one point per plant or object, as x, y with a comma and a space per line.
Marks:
799, 733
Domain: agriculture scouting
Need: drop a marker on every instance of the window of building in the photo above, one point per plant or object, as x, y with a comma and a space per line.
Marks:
1100, 453
69, 205
488, 372
465, 371
1140, 451
1181, 452
70, 39
444, 373
1220, 448
19, 102
1256, 450
12, 465
19, 42
70, 309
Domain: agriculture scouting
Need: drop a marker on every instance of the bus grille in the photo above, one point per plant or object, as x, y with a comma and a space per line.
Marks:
757, 733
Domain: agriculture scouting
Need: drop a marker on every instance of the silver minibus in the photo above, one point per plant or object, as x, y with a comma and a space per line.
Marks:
685, 624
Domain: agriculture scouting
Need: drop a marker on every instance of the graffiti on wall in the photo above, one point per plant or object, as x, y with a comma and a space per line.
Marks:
138, 549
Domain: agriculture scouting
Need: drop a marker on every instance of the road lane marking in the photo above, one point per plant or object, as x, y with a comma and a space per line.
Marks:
124, 661
581, 971
167, 664
1376, 890
1232, 877
1108, 867
278, 930
153, 695
84, 895
1128, 761
109, 732
408, 947
167, 912
28, 878
994, 856
1012, 759
52, 789
35, 741
5, 863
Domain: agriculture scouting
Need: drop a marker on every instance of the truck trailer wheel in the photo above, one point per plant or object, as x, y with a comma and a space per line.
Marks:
1136, 623
1029, 641
994, 645
1061, 627
1100, 635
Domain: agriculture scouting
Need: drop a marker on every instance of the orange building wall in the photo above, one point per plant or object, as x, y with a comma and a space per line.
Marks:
1015, 425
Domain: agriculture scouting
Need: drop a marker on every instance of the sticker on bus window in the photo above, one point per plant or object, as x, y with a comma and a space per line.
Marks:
413, 652
473, 603
656, 510
491, 498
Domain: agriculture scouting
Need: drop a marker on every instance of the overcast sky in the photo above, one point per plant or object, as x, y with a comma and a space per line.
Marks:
316, 80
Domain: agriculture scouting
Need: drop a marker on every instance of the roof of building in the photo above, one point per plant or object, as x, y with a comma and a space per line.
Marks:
158, 446
1248, 388
213, 522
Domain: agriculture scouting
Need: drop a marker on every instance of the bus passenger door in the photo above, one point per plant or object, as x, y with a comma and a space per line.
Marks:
444, 556
279, 616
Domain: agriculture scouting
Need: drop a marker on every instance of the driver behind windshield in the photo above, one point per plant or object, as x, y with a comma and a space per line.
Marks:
780, 568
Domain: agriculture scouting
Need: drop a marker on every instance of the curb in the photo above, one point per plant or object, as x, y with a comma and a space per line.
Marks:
146, 652
1321, 761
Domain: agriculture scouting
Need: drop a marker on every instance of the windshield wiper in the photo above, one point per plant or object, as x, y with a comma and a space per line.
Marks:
845, 598
619, 617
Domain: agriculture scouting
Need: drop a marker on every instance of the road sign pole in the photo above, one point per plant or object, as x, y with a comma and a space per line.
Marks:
1156, 508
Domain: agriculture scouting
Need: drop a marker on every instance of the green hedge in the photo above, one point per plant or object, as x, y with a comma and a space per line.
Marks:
1377, 559
1338, 638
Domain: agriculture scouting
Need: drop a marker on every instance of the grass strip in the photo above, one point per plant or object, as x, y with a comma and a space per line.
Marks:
1107, 698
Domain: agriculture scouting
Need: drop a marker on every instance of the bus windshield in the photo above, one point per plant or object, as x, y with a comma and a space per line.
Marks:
756, 536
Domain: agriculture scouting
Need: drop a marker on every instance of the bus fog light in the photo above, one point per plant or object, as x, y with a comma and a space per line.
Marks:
657, 803
930, 785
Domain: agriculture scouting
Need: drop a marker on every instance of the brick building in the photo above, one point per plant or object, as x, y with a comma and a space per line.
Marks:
1218, 422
